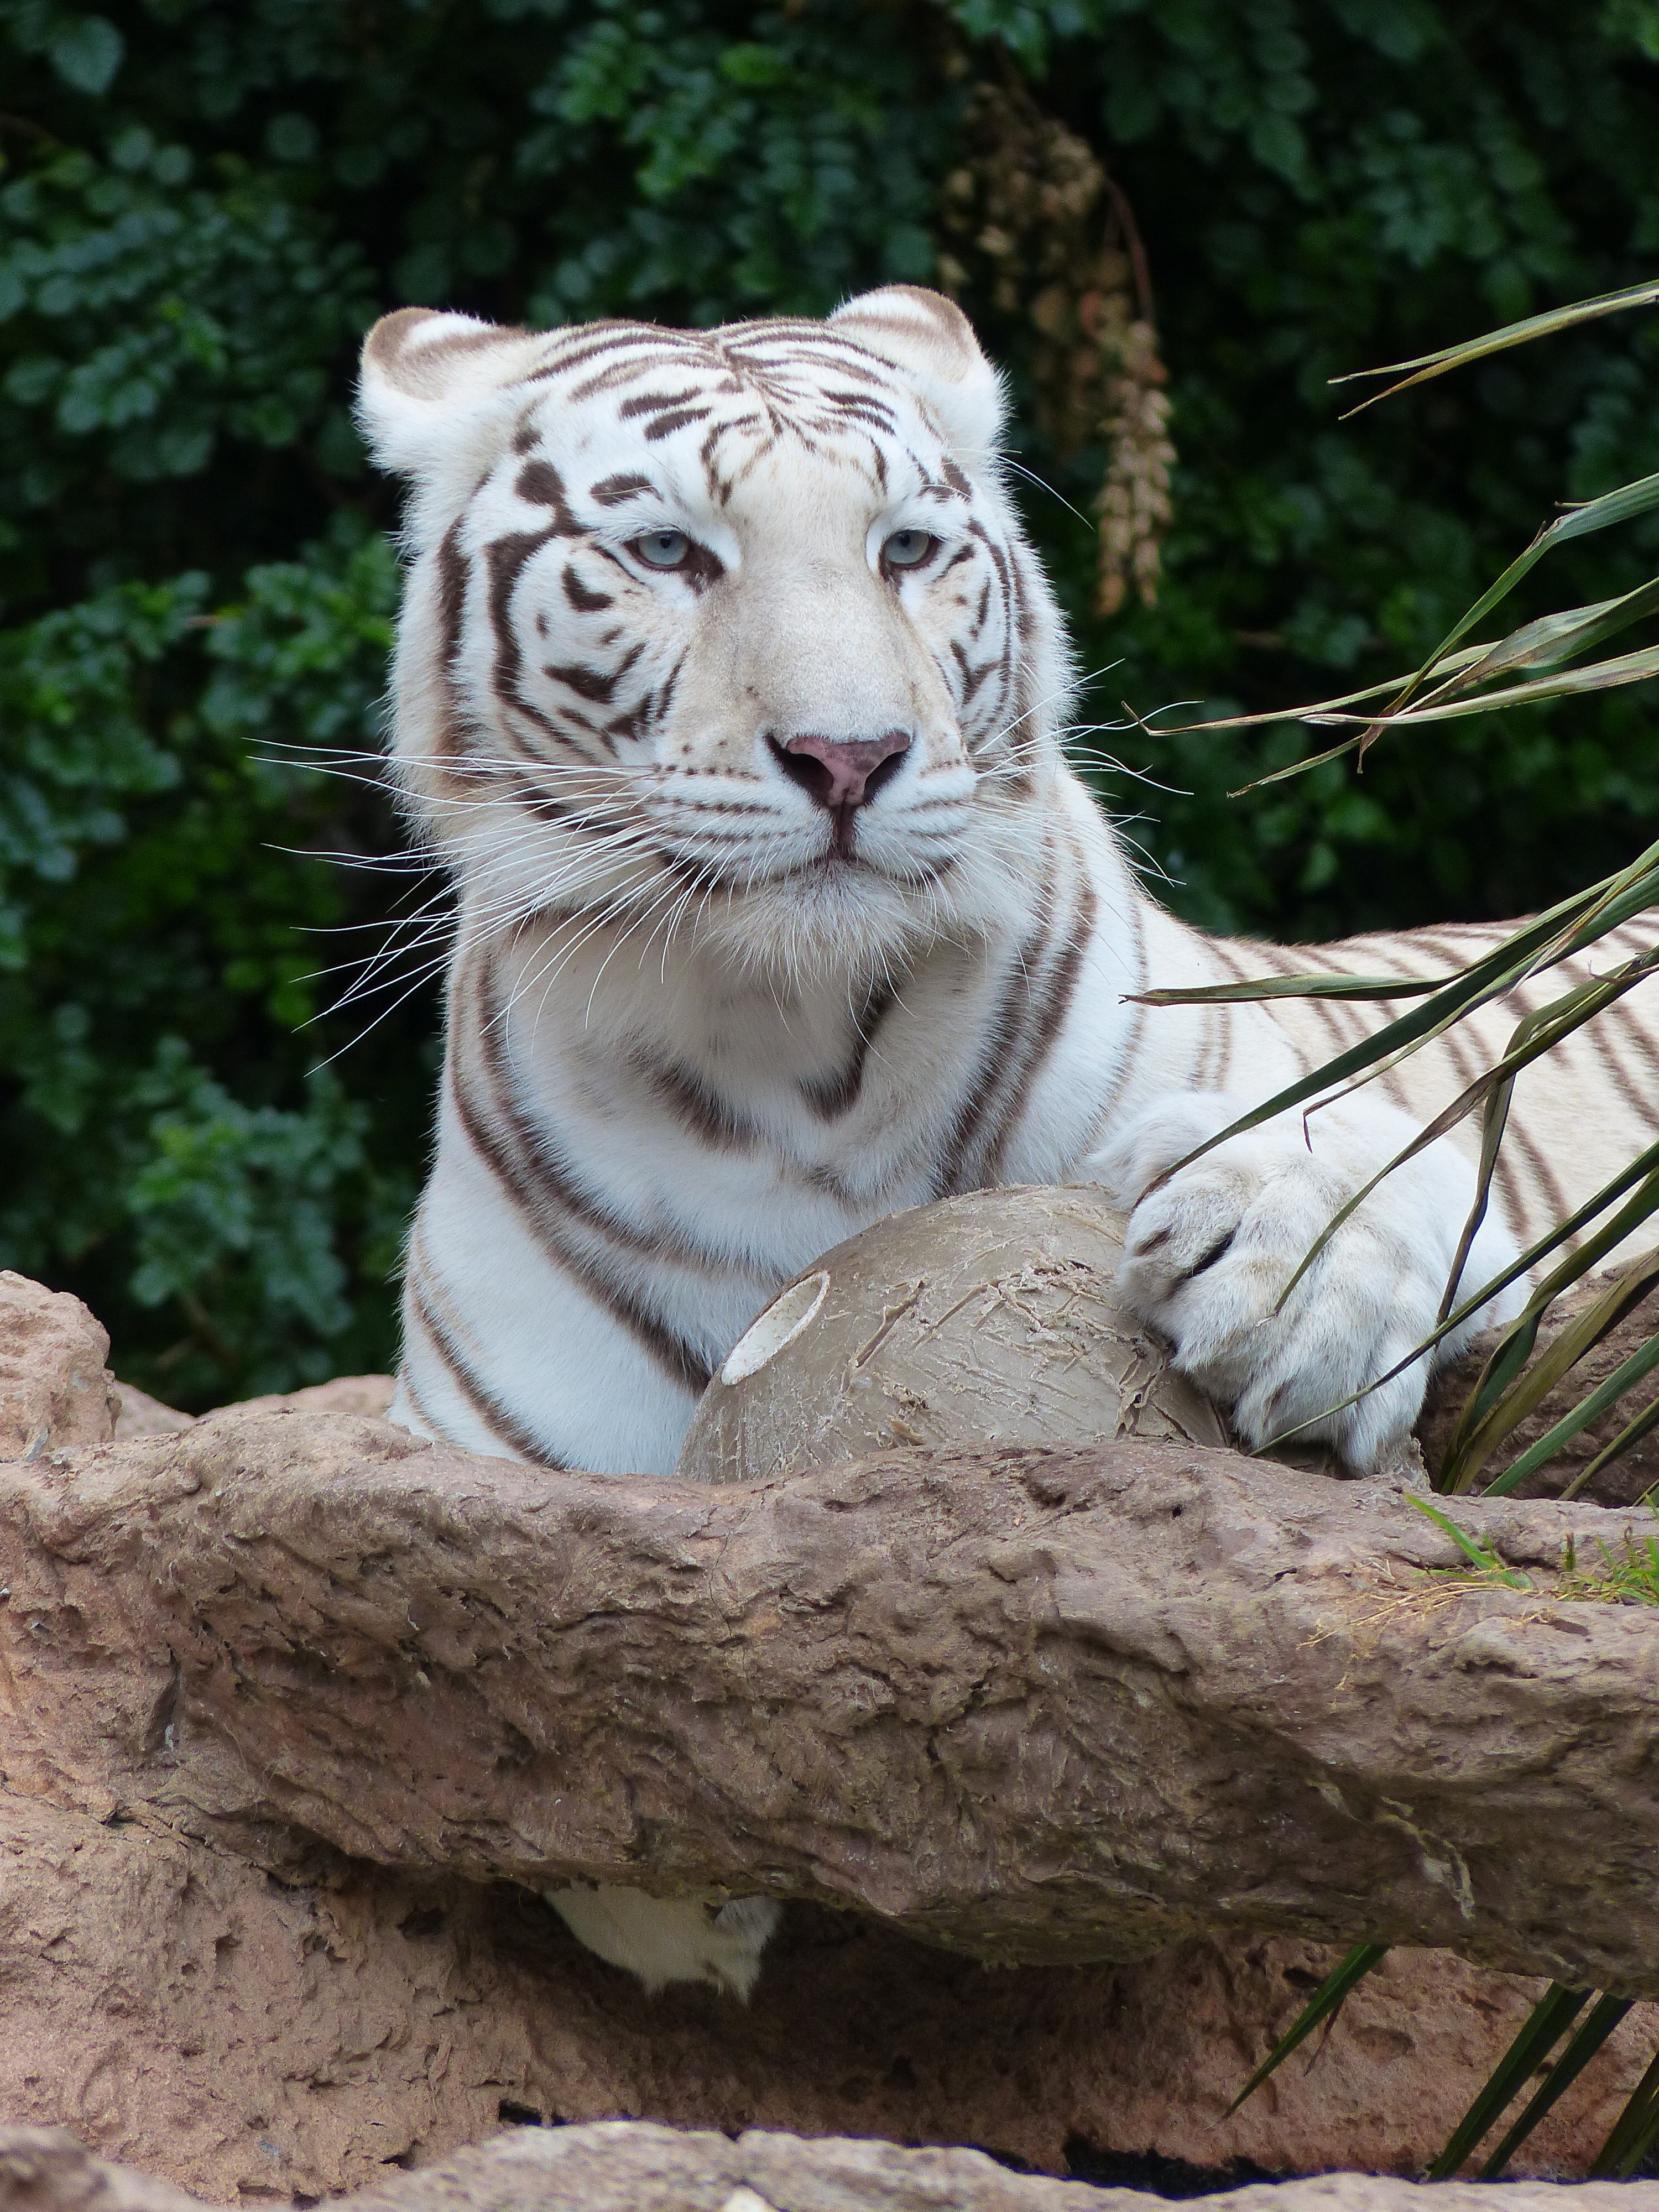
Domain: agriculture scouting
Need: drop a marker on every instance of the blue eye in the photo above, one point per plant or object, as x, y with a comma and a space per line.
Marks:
907, 549
663, 548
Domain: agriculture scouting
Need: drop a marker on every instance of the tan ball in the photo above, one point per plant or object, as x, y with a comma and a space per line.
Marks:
989, 1319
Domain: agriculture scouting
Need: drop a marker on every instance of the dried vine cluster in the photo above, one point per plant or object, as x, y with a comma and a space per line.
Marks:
1032, 201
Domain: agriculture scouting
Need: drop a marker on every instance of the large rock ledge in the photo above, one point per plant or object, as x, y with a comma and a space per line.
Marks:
1035, 1706
622, 2166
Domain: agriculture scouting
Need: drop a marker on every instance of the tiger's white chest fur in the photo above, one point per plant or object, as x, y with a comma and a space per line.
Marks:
634, 1155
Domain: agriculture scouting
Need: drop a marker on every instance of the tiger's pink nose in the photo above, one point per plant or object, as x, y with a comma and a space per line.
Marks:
841, 772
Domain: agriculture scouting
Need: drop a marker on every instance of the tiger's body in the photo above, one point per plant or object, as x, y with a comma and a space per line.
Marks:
730, 691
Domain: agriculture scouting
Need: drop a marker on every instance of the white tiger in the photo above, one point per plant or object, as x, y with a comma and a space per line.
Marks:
731, 692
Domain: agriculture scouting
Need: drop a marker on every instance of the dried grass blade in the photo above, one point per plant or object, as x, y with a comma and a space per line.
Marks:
1599, 676
1552, 638
1298, 986
1430, 365
1621, 505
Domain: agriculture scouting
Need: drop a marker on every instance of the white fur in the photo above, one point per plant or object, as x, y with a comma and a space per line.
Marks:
672, 1938
661, 970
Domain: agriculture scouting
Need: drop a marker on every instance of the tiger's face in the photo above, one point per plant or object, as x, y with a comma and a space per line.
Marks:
732, 635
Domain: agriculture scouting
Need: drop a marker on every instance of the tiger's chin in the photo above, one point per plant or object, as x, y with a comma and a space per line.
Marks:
837, 918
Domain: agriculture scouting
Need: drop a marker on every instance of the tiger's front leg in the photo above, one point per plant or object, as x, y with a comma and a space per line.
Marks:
1209, 1251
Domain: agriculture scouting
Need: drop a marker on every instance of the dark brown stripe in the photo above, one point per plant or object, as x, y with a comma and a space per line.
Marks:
597, 685
702, 1111
1059, 992
611, 491
503, 1425
453, 570
832, 1097
578, 595
540, 484
1620, 1020
506, 558
1128, 1055
664, 426
987, 1076
672, 1353
658, 403
538, 1193
1468, 1069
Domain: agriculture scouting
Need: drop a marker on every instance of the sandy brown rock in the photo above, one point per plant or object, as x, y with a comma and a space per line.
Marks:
1036, 1705
178, 2010
45, 2169
1629, 1478
627, 2167
55, 1391
369, 1395
634, 2166
138, 1414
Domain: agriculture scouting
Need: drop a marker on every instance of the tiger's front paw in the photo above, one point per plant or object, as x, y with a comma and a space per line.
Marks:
1209, 1252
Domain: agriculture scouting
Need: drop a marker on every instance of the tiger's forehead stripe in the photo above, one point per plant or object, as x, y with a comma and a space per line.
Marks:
788, 380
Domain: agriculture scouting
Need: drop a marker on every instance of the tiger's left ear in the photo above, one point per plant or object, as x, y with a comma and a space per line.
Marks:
930, 338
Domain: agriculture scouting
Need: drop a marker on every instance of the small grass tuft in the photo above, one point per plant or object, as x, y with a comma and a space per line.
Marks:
1629, 1576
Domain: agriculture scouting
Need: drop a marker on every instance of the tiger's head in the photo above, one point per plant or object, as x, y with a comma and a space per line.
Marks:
731, 633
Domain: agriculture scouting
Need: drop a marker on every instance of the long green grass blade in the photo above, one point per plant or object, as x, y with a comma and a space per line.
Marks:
1634, 2132
1623, 1380
1605, 2015
1631, 1435
1541, 942
1554, 638
1472, 1549
1498, 1402
1548, 2022
1428, 365
1325, 2003
1494, 1120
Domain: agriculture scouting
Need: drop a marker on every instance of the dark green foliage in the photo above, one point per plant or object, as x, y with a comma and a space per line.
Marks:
204, 204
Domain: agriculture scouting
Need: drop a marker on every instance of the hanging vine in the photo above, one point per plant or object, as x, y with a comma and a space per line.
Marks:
1035, 218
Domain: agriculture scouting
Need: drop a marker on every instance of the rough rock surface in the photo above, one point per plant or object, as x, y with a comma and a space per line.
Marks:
631, 2166
138, 1414
195, 1609
1628, 1478
141, 1415
55, 1391
344, 1394
180, 2011
1036, 1705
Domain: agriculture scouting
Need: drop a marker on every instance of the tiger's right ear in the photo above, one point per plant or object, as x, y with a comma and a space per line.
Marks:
434, 394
